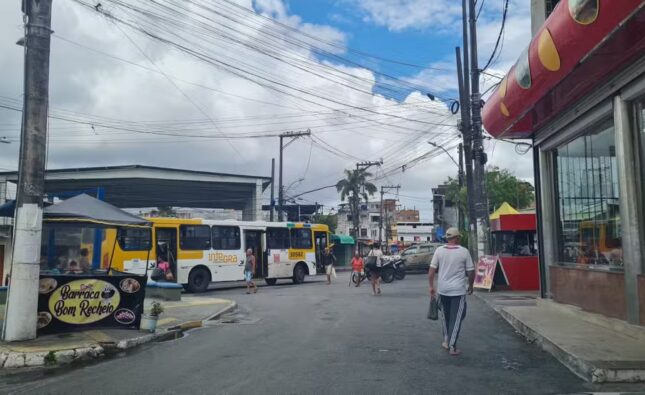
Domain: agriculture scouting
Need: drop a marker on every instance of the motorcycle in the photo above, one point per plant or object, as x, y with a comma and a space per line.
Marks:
399, 269
387, 271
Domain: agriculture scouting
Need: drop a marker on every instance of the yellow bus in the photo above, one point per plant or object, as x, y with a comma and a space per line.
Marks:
201, 252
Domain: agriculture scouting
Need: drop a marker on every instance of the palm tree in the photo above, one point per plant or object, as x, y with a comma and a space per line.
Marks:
355, 188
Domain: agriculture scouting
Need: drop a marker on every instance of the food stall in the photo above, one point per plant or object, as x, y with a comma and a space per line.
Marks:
74, 296
515, 243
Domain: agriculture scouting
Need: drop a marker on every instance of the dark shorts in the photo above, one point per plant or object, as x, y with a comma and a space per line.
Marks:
373, 268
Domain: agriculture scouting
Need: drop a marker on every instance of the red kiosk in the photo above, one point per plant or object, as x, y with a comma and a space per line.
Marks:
515, 243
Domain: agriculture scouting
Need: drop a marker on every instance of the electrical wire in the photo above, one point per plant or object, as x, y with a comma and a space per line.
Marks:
499, 36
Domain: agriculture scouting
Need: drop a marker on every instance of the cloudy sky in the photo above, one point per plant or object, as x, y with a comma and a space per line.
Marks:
209, 84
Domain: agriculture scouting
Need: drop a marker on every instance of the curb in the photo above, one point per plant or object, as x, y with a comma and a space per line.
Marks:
590, 371
532, 336
14, 360
200, 323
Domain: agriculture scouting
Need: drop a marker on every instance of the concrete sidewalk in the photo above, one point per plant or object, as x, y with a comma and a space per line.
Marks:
64, 348
596, 348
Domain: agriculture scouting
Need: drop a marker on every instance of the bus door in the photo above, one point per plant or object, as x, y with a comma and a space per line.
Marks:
167, 246
253, 240
321, 243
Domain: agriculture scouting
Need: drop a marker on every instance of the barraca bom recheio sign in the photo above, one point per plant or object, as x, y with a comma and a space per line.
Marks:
68, 302
84, 301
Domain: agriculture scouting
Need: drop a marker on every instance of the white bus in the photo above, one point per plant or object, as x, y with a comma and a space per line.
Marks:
204, 251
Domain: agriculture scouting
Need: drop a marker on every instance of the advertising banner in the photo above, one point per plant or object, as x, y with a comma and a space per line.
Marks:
485, 272
71, 302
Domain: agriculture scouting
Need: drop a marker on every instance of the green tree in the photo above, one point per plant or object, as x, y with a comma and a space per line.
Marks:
330, 220
501, 185
166, 211
355, 188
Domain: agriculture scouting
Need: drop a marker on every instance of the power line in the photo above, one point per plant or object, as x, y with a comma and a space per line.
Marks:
499, 36
236, 70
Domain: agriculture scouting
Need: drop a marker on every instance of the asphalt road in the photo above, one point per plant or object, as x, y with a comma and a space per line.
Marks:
314, 338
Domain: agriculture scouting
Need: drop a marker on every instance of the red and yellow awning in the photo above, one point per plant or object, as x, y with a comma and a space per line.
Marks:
582, 42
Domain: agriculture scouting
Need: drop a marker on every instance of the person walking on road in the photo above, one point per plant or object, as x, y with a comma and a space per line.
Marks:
249, 272
454, 281
374, 263
329, 260
357, 267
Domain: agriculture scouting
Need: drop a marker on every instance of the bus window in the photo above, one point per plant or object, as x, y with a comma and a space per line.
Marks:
277, 238
226, 238
195, 237
134, 239
301, 238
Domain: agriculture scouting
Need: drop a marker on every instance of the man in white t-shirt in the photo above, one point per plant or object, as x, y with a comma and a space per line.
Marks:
455, 272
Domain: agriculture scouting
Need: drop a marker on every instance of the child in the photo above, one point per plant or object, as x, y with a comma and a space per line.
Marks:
357, 267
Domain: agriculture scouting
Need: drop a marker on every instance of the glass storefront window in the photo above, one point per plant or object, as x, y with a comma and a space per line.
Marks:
588, 199
514, 243
640, 124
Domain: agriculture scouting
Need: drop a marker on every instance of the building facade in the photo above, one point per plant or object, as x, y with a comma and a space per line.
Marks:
407, 215
414, 232
370, 220
445, 211
579, 93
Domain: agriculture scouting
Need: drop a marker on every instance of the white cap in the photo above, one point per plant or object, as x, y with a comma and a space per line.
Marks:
451, 233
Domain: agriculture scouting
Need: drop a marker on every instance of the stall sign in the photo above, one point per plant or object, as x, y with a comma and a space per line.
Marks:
68, 302
485, 271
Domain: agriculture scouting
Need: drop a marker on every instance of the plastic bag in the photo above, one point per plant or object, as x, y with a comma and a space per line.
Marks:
157, 274
433, 310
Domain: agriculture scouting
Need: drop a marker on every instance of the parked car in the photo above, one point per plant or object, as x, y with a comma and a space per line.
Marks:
418, 257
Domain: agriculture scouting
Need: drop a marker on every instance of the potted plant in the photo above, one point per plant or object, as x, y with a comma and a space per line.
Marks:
149, 321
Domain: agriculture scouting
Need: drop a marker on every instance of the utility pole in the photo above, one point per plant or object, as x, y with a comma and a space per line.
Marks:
461, 185
367, 164
463, 73
479, 156
22, 300
272, 203
293, 136
380, 221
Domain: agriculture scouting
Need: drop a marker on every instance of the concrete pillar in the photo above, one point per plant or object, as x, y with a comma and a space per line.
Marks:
253, 207
633, 237
548, 200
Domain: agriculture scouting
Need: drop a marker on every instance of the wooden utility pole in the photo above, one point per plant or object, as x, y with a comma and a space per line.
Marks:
380, 221
367, 164
22, 300
293, 136
461, 185
479, 156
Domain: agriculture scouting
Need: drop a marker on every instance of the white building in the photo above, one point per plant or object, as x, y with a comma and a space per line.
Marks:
411, 232
370, 215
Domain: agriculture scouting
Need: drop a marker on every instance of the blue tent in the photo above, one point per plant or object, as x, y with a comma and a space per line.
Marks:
439, 233
7, 209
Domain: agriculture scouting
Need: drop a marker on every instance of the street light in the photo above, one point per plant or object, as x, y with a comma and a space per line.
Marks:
444, 150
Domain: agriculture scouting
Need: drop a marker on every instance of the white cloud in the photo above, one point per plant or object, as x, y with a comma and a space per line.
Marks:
399, 15
86, 82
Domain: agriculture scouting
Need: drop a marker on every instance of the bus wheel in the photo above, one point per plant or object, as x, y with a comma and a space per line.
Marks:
270, 281
299, 274
198, 280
